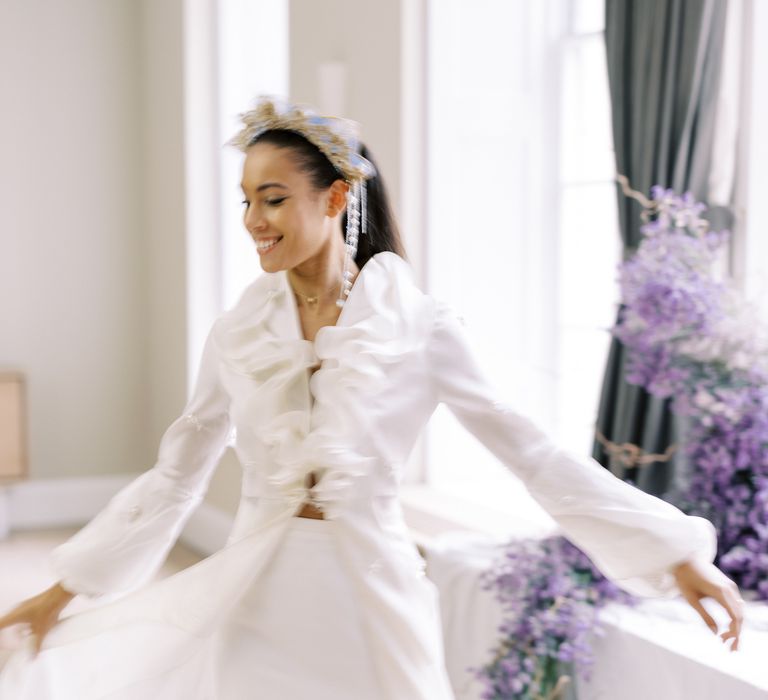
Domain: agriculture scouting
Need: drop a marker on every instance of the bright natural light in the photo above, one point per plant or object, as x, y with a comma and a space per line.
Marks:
253, 59
523, 238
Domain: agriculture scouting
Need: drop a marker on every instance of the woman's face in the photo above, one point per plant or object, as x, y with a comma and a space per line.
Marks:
288, 220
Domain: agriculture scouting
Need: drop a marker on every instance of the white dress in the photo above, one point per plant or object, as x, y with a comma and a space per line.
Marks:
240, 623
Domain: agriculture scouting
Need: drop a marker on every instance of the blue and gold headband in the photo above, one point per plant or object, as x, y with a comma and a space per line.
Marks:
336, 137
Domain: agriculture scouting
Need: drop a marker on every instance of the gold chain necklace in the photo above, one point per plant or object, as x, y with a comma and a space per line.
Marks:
311, 300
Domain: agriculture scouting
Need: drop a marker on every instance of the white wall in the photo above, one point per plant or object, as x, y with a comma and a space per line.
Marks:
72, 246
160, 52
92, 195
364, 36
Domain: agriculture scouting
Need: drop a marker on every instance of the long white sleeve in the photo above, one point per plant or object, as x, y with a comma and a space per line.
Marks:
127, 542
634, 538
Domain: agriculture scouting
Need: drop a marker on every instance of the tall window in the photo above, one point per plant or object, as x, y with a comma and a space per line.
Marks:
523, 238
253, 59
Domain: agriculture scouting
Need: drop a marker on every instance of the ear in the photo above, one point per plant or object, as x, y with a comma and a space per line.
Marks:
337, 198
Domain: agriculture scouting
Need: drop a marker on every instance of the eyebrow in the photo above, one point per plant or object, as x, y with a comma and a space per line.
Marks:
266, 185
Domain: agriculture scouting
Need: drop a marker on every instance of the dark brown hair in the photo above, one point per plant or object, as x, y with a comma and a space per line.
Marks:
383, 232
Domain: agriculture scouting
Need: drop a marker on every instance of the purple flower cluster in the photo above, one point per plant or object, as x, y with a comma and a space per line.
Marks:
550, 592
689, 337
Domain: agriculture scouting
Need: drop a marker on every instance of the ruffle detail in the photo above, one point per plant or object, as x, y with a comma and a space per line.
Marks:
250, 343
384, 319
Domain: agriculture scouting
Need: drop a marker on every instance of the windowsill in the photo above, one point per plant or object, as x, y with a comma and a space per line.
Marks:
501, 511
671, 625
686, 646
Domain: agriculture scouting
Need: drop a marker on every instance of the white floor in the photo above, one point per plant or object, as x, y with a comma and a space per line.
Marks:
24, 572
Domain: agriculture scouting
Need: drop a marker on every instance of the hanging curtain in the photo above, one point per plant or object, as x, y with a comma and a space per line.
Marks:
664, 66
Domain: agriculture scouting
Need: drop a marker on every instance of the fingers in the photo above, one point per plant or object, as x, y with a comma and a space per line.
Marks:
11, 618
730, 599
695, 603
701, 580
16, 616
40, 629
37, 633
38, 640
727, 596
731, 634
36, 627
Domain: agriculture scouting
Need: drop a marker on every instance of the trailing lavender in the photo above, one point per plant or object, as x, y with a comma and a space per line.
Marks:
690, 336
550, 593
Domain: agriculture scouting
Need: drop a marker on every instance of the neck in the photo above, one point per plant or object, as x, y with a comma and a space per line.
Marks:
320, 277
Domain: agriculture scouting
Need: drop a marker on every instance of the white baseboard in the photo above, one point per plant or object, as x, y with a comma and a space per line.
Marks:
41, 504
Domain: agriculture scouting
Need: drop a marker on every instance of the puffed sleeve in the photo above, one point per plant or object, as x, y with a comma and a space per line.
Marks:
634, 538
124, 545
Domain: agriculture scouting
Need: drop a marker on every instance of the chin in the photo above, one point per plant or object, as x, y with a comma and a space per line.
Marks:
272, 265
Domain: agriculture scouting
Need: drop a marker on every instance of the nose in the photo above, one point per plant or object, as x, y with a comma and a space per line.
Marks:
254, 220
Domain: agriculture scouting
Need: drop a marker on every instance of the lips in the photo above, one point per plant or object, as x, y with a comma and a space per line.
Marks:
266, 248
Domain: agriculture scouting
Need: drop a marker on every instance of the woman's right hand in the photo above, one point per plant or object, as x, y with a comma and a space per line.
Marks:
40, 613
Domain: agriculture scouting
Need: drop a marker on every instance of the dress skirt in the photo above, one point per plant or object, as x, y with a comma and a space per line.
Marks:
296, 634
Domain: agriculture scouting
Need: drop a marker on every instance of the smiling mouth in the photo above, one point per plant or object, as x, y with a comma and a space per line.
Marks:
264, 247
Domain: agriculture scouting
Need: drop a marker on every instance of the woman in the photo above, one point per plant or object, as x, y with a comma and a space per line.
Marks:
327, 368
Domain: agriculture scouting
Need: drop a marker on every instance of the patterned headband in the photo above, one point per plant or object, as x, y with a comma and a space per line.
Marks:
336, 137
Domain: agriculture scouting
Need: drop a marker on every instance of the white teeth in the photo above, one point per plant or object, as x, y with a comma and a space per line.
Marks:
261, 245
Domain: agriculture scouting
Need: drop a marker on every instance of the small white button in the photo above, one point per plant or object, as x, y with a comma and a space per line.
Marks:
501, 407
192, 419
375, 566
133, 513
566, 499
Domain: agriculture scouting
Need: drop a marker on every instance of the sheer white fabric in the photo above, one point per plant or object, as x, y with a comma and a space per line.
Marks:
392, 356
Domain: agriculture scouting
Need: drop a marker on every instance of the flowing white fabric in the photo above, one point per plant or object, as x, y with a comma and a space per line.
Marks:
394, 354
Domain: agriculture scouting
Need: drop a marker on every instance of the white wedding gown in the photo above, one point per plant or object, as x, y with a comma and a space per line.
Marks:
294, 608
296, 635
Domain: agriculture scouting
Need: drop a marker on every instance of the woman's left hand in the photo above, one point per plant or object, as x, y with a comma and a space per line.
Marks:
699, 579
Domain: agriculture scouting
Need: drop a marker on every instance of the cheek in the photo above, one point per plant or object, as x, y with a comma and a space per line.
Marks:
295, 223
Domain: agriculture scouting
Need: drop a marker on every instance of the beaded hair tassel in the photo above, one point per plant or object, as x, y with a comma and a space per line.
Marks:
356, 221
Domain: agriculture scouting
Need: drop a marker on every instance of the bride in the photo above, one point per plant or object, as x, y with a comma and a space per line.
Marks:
325, 371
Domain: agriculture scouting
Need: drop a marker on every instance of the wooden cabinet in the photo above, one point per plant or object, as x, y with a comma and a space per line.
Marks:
13, 433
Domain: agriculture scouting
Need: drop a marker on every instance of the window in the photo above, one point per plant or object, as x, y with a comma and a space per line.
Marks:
522, 229
253, 59
234, 50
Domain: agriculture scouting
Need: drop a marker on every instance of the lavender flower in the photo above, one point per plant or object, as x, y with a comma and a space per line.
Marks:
550, 592
692, 337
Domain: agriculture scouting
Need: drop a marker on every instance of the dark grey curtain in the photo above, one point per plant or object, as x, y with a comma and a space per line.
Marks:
664, 59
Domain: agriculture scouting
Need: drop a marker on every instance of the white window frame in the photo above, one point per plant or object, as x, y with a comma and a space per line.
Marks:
429, 508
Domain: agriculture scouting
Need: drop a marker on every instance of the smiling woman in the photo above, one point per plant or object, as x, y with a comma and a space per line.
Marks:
289, 219
282, 165
320, 591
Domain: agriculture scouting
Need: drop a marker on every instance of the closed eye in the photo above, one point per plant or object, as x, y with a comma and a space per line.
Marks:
272, 202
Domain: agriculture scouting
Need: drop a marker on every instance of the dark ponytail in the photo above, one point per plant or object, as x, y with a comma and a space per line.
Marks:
383, 232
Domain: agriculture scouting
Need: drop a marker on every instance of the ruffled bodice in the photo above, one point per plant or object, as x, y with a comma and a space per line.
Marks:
321, 423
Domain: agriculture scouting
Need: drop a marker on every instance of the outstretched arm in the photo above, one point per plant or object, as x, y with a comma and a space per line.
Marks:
126, 543
642, 543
